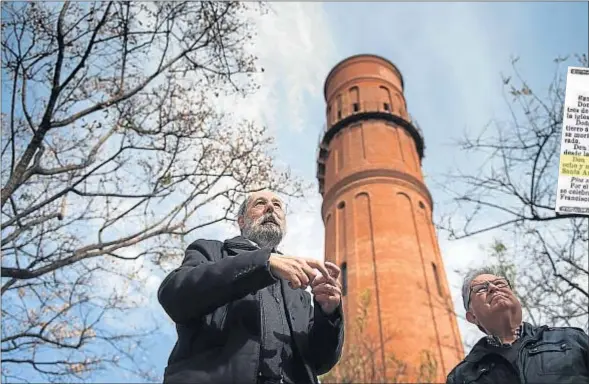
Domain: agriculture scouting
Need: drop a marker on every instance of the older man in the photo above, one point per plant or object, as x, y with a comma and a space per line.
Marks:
514, 351
241, 310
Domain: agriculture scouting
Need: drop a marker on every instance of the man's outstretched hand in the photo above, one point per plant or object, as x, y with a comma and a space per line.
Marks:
327, 289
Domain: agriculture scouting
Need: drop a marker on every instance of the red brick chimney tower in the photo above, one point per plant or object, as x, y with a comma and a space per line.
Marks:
377, 213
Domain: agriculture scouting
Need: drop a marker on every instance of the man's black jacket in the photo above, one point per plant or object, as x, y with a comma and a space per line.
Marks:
213, 298
546, 356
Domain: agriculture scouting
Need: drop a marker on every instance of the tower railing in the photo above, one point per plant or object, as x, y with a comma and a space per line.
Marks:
336, 114
321, 152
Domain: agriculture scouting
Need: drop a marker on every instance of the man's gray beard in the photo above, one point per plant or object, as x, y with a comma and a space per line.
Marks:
266, 235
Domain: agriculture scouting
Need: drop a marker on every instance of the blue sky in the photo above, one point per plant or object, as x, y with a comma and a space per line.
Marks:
451, 56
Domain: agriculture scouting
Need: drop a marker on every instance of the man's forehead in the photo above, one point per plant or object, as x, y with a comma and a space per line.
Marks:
266, 195
482, 278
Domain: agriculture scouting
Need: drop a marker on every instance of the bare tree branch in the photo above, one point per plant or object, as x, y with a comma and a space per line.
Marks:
515, 191
115, 152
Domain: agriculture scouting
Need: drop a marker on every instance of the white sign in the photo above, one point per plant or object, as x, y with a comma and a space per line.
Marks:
572, 195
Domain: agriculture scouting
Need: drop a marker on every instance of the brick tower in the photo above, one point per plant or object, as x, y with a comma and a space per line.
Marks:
377, 213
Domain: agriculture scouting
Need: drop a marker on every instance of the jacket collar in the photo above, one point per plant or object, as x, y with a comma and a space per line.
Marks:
481, 348
240, 242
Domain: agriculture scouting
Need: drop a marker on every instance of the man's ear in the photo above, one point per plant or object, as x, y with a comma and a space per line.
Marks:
240, 222
470, 317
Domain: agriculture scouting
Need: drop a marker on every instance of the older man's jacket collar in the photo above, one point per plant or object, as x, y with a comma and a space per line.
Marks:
240, 242
481, 348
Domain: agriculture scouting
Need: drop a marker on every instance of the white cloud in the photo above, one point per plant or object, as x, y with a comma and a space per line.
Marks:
305, 232
295, 47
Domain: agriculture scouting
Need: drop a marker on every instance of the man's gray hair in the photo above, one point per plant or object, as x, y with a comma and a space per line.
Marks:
470, 276
243, 206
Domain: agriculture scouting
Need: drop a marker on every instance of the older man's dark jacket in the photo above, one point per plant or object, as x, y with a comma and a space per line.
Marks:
544, 355
214, 299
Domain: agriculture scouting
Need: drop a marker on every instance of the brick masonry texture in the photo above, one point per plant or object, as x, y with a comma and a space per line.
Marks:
377, 213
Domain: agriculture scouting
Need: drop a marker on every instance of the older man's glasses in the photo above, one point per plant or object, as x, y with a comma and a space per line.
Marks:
483, 287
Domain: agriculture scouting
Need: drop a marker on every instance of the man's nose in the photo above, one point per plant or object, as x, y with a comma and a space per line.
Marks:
491, 287
269, 207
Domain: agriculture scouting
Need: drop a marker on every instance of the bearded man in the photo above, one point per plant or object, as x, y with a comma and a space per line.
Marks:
241, 310
514, 351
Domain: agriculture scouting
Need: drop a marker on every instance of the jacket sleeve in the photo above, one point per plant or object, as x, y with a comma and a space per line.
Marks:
204, 282
583, 340
450, 379
326, 337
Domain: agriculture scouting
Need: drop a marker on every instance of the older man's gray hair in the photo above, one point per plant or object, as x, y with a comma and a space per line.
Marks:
243, 206
470, 276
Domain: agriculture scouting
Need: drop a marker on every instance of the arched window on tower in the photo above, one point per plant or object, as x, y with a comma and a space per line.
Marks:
342, 149
344, 273
339, 106
437, 277
385, 97
355, 99
399, 105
